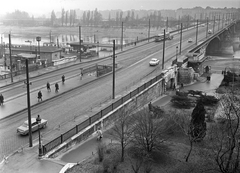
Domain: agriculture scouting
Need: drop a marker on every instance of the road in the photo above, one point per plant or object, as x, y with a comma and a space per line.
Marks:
67, 110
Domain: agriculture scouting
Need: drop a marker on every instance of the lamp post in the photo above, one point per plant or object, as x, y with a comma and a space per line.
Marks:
207, 28
29, 106
50, 36
98, 48
113, 89
197, 33
38, 40
176, 53
28, 41
40, 154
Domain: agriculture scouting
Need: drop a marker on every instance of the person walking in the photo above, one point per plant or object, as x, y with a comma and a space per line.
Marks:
99, 134
39, 96
1, 99
63, 79
56, 87
48, 86
81, 74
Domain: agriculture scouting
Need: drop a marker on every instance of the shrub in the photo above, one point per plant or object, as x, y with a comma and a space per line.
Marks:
209, 100
181, 101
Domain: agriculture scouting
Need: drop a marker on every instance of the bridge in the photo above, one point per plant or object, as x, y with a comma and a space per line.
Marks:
213, 45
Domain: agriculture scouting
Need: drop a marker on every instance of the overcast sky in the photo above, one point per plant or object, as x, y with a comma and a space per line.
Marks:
45, 6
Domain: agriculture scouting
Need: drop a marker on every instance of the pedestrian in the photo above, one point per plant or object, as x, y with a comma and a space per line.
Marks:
63, 78
181, 85
150, 106
56, 87
1, 99
99, 134
81, 75
174, 87
48, 86
39, 96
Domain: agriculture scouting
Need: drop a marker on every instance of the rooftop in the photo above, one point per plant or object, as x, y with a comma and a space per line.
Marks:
45, 49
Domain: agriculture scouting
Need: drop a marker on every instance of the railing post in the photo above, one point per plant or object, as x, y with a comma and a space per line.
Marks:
61, 138
90, 121
76, 129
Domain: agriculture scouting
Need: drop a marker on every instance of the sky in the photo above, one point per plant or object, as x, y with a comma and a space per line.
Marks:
46, 6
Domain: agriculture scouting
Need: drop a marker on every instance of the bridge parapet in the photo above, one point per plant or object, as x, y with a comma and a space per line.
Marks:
198, 52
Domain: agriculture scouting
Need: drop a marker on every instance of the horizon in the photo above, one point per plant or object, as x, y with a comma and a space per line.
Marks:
43, 7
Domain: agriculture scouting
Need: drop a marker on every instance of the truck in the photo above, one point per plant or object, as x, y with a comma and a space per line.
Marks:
160, 37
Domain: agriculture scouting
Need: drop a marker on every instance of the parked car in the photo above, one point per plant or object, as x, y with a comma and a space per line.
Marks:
190, 40
154, 62
23, 129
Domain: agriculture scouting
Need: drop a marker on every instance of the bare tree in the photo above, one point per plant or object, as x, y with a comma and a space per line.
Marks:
148, 132
123, 129
225, 136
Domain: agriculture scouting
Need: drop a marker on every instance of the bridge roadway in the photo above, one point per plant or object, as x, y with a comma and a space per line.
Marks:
72, 107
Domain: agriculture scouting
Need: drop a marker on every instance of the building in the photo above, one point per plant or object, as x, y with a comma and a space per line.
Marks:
46, 57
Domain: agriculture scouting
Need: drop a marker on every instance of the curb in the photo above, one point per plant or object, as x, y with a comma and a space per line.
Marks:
51, 98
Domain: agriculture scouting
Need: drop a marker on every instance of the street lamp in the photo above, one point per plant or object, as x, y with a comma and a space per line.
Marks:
40, 154
176, 53
28, 103
28, 41
98, 48
38, 40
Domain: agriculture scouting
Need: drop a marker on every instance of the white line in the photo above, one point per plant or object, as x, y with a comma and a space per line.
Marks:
143, 59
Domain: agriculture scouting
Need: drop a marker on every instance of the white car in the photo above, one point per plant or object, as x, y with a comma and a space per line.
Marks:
23, 129
209, 31
190, 40
154, 62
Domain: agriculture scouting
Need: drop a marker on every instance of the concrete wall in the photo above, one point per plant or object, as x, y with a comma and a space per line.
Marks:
185, 75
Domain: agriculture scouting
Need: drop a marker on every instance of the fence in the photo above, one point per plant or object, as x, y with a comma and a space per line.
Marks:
63, 137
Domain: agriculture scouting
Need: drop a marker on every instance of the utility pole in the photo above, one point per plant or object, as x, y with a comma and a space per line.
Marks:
164, 37
57, 42
113, 89
50, 36
29, 105
178, 24
207, 28
222, 20
218, 22
197, 33
188, 22
122, 38
149, 29
180, 50
80, 43
10, 54
213, 24
167, 25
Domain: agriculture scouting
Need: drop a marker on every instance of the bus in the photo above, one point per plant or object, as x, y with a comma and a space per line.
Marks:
160, 37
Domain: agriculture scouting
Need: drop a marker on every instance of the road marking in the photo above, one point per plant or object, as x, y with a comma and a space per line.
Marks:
143, 59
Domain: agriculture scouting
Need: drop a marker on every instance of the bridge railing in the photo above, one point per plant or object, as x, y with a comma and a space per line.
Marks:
73, 131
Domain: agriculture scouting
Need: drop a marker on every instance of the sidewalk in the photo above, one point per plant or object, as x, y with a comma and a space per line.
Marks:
27, 160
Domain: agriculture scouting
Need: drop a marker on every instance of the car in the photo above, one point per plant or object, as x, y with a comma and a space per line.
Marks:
154, 62
190, 40
209, 31
23, 129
